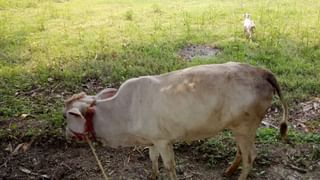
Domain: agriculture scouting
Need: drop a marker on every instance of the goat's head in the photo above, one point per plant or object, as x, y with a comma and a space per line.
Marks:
247, 16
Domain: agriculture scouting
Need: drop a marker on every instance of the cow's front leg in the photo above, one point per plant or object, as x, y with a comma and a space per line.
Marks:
154, 156
165, 149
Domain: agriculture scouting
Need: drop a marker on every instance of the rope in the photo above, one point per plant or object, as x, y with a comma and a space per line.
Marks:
95, 155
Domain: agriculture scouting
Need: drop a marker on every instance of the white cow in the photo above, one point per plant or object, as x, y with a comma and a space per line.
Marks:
184, 105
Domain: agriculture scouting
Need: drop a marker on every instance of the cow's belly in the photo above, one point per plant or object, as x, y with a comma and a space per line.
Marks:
126, 140
204, 121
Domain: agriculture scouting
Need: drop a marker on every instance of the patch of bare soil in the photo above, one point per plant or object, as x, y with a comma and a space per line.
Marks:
200, 51
305, 116
56, 159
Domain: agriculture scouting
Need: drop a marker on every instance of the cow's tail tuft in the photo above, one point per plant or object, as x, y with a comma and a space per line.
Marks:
284, 122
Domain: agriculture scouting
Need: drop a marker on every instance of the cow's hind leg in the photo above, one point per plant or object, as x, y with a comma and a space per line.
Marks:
166, 151
245, 140
154, 156
235, 164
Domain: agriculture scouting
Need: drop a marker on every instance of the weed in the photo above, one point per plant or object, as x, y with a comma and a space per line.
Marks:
129, 15
315, 152
221, 147
271, 136
298, 137
156, 9
267, 135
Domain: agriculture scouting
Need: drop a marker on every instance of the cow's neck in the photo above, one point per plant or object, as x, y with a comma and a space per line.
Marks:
111, 118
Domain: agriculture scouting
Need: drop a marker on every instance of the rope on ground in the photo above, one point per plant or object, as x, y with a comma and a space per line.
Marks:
95, 155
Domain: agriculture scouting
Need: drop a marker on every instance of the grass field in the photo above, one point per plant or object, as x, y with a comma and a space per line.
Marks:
50, 48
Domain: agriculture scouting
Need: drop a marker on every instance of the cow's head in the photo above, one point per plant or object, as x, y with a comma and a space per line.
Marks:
76, 111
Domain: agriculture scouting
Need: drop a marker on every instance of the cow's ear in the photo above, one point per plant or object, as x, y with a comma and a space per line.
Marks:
106, 93
75, 112
75, 120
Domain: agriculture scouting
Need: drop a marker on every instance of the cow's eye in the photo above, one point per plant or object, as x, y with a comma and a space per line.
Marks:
74, 114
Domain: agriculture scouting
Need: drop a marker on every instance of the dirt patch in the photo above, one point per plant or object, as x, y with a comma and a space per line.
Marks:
198, 51
305, 116
56, 159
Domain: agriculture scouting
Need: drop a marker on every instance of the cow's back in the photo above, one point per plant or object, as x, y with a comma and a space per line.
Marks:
199, 101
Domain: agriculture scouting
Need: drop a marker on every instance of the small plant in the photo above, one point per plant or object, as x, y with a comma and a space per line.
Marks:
187, 24
271, 136
156, 9
32, 131
129, 15
315, 152
220, 147
299, 138
267, 135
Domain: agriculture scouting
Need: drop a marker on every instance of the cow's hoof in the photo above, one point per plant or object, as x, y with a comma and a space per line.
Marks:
229, 171
153, 177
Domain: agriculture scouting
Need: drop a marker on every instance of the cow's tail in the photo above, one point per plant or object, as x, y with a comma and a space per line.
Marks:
284, 122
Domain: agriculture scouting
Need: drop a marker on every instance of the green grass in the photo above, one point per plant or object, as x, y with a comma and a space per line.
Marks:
110, 41
271, 136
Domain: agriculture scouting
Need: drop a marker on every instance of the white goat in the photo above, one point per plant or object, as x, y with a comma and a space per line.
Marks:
248, 25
